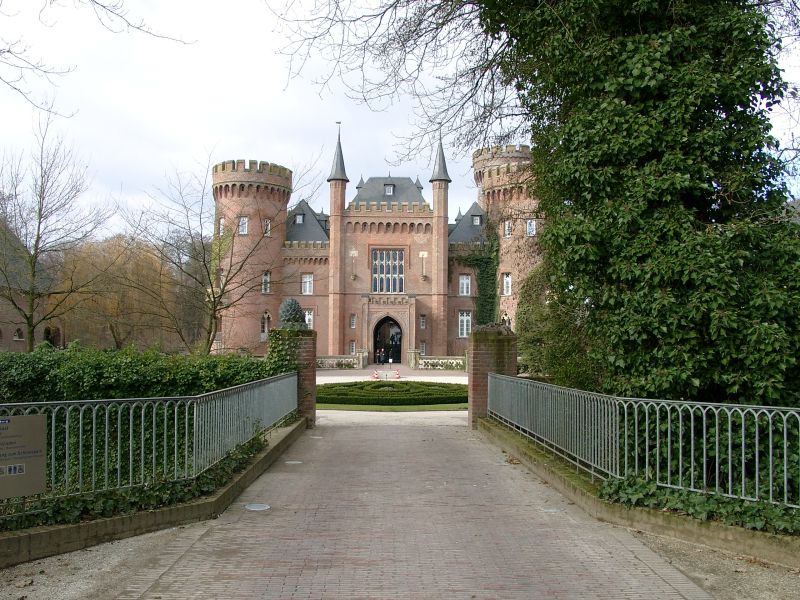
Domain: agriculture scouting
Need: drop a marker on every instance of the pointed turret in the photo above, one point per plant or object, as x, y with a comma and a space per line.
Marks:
337, 170
360, 183
440, 166
459, 216
418, 184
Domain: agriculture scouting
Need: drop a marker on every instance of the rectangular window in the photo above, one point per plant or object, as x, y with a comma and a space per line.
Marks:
298, 219
388, 271
222, 226
507, 227
265, 281
476, 219
464, 285
464, 323
265, 325
267, 227
530, 227
307, 285
352, 321
352, 346
242, 225
423, 348
388, 189
506, 284
423, 321
308, 313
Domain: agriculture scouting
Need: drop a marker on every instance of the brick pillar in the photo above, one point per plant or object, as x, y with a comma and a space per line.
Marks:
492, 349
307, 375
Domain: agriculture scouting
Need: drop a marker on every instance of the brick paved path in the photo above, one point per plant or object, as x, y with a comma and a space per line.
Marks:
392, 505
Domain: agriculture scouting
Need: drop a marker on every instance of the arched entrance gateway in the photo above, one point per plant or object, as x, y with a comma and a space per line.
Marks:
386, 341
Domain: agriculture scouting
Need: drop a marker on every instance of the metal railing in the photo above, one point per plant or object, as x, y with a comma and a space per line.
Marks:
739, 451
98, 445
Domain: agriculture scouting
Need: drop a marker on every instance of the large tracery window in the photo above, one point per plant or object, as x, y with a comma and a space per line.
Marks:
388, 271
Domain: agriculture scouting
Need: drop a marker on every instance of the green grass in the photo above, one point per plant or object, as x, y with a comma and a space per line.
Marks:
392, 393
384, 408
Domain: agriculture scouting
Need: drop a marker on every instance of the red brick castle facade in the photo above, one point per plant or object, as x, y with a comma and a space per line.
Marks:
380, 272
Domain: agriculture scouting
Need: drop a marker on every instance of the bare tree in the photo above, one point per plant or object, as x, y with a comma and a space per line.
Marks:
435, 52
19, 64
44, 220
205, 271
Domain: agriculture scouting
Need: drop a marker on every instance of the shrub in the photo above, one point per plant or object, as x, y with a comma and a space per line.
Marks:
392, 393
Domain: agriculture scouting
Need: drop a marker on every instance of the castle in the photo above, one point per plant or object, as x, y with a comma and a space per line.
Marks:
380, 273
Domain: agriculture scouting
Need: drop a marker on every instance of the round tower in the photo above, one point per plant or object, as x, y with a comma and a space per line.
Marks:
251, 200
503, 177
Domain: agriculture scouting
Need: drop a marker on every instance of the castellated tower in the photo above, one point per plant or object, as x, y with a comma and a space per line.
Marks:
503, 177
251, 201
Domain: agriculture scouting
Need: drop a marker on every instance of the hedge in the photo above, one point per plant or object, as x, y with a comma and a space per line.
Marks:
79, 373
392, 393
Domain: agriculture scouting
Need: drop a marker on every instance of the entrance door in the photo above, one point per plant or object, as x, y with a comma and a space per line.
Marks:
387, 340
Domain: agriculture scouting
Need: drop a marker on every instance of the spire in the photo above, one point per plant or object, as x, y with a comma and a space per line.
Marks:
360, 183
459, 216
440, 166
418, 184
337, 170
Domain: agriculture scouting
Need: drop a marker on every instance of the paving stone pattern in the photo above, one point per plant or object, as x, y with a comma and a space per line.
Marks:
414, 505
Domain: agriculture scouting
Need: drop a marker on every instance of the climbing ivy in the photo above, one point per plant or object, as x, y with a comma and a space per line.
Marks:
485, 259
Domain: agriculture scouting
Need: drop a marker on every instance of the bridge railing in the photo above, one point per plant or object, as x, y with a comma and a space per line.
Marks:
98, 445
739, 451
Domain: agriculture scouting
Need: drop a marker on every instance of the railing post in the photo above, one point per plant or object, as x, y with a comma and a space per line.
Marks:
492, 349
307, 375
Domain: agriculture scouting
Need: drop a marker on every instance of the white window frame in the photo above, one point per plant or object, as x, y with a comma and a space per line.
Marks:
243, 223
508, 228
267, 227
266, 281
423, 321
352, 320
299, 218
464, 323
388, 271
506, 284
265, 322
464, 284
307, 284
388, 189
308, 316
221, 230
476, 219
530, 227
423, 348
352, 347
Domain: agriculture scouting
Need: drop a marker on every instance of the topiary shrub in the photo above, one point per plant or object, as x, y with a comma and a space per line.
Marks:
392, 393
291, 315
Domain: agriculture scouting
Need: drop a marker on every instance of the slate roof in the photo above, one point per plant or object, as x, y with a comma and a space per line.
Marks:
373, 192
440, 166
464, 231
314, 227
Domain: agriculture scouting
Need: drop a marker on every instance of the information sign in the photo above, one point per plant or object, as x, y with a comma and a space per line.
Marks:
23, 455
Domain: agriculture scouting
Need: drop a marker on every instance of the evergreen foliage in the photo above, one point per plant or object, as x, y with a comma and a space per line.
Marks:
485, 261
391, 393
665, 201
291, 315
88, 374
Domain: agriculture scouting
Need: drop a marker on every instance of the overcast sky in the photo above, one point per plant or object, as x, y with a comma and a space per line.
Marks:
146, 107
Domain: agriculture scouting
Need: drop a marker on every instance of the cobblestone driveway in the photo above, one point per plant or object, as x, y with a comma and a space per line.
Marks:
403, 505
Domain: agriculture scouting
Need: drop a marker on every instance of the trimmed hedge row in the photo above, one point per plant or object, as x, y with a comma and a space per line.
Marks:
79, 373
392, 393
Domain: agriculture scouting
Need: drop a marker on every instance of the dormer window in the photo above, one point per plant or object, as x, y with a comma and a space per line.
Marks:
476, 219
388, 189
298, 219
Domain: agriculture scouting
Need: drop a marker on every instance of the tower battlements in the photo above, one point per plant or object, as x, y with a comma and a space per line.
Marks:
501, 165
252, 172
